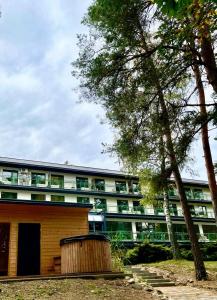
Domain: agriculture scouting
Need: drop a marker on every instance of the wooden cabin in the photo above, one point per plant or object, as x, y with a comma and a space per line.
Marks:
30, 234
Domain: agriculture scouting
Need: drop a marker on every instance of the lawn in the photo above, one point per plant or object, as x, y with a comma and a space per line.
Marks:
183, 271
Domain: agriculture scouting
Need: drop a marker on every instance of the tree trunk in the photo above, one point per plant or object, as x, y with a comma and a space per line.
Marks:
198, 260
208, 57
205, 141
170, 228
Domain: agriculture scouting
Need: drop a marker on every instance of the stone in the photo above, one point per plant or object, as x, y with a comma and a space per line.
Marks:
137, 286
131, 280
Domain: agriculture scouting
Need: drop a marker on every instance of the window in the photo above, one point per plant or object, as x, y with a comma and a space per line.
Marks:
84, 200
137, 207
100, 203
10, 176
198, 194
121, 186
8, 195
158, 208
82, 183
38, 178
202, 210
57, 198
57, 181
122, 206
120, 230
192, 210
136, 188
100, 184
173, 209
38, 197
95, 226
188, 193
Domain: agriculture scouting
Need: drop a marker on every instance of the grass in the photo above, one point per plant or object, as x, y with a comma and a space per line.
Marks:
176, 265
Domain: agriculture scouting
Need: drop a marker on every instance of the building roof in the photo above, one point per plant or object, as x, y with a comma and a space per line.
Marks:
24, 163
45, 203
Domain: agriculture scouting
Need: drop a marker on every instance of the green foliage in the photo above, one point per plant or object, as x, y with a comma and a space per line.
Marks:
209, 251
178, 8
147, 253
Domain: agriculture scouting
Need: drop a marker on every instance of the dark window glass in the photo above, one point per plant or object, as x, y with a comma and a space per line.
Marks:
100, 184
137, 207
198, 194
82, 183
100, 203
84, 200
38, 178
188, 193
136, 188
121, 186
8, 195
38, 197
57, 198
173, 209
10, 176
57, 181
122, 205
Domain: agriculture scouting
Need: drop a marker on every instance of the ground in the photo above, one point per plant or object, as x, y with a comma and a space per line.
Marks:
183, 272
76, 289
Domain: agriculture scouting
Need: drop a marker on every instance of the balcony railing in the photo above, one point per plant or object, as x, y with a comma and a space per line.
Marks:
155, 236
141, 210
27, 180
191, 195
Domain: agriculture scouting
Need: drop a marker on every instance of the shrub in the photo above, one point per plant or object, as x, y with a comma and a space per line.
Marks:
209, 252
147, 253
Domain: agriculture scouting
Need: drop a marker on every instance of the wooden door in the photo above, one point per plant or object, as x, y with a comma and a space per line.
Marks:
4, 248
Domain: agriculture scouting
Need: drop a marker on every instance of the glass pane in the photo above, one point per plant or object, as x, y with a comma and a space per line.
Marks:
81, 182
10, 176
38, 178
100, 184
8, 195
84, 200
57, 198
100, 203
57, 180
120, 186
122, 205
38, 197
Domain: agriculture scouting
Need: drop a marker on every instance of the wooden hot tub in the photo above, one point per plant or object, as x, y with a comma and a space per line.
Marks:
85, 254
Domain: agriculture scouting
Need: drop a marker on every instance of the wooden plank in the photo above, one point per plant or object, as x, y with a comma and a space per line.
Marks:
56, 223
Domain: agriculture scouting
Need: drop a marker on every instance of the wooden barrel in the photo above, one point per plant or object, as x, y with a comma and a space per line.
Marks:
85, 254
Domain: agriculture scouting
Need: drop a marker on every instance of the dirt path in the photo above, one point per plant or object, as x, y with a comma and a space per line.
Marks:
76, 289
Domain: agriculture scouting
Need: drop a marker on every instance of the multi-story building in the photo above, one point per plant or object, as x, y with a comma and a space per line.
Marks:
115, 197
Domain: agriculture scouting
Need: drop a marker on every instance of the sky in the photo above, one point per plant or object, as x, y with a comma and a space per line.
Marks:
41, 117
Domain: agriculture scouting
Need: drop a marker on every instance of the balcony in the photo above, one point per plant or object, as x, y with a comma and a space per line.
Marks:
119, 236
141, 210
40, 181
196, 196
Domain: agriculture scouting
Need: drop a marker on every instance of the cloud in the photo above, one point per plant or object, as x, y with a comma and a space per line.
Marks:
40, 117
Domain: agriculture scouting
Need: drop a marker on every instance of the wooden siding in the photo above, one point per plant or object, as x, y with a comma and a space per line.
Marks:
56, 223
87, 256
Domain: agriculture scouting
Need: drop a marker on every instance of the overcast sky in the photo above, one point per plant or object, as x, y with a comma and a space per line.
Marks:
40, 117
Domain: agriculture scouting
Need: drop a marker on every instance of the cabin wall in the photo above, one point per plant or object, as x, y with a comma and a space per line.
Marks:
56, 223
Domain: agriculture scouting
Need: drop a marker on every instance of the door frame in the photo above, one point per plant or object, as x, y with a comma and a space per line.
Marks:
8, 245
39, 266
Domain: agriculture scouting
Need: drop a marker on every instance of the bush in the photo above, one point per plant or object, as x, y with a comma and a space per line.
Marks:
209, 252
147, 253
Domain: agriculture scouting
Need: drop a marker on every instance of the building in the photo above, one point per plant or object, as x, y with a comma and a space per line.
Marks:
55, 199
